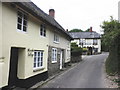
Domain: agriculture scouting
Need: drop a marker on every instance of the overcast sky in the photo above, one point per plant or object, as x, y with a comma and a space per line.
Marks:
80, 14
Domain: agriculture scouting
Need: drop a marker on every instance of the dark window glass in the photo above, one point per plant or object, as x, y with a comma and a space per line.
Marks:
19, 20
19, 26
19, 14
42, 30
25, 23
42, 63
24, 28
25, 17
34, 64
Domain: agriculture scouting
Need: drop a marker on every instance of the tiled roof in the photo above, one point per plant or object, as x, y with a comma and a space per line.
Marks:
83, 35
38, 13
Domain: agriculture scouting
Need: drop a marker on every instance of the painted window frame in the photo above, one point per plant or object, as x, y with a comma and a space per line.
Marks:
95, 42
38, 62
54, 55
43, 30
56, 38
22, 21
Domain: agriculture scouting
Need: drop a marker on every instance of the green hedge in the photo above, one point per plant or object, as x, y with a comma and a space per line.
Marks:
75, 50
113, 60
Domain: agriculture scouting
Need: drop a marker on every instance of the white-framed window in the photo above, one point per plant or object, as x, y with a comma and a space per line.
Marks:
38, 59
54, 55
95, 42
42, 30
22, 21
56, 38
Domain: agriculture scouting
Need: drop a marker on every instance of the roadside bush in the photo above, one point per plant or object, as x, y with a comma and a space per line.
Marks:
111, 42
113, 60
76, 53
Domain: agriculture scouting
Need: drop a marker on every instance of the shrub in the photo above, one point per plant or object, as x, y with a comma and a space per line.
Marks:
75, 50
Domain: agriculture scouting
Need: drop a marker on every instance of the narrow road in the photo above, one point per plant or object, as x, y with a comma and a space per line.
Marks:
87, 74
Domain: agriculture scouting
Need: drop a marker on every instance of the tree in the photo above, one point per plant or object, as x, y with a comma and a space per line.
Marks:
87, 30
111, 39
76, 30
111, 31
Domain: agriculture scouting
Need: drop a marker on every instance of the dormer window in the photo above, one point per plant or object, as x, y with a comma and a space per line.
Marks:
22, 21
42, 30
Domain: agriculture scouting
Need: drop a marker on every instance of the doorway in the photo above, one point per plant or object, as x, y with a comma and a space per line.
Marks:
12, 80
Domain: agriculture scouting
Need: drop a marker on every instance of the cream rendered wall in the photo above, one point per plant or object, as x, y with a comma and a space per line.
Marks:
0, 30
24, 41
63, 43
1, 60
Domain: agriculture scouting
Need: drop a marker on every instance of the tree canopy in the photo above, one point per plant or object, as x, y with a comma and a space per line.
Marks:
111, 41
111, 31
79, 30
76, 30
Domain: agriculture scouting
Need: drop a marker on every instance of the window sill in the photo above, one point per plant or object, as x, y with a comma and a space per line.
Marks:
54, 62
21, 31
56, 42
42, 36
38, 69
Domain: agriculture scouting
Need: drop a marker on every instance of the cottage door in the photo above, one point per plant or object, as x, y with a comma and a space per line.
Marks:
61, 59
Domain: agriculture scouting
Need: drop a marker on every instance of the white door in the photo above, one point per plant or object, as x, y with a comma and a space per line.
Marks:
61, 60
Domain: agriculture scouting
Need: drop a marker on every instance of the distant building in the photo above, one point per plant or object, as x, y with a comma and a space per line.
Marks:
90, 40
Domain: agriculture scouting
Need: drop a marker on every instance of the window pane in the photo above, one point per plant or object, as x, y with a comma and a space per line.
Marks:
41, 63
19, 14
25, 23
24, 28
25, 17
19, 26
34, 59
38, 59
38, 64
35, 53
38, 53
41, 33
41, 54
19, 20
41, 59
44, 32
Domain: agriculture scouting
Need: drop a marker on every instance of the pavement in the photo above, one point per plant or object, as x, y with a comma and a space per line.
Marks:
89, 73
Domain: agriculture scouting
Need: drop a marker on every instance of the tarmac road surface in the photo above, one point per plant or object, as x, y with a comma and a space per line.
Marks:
89, 73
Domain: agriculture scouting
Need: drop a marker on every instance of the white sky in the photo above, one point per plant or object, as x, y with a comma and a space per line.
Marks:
80, 14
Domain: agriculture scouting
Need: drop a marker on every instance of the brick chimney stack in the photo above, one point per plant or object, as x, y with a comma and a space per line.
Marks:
67, 30
90, 29
52, 12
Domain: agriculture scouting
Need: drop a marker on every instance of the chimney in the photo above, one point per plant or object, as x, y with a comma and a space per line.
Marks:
67, 30
52, 12
90, 29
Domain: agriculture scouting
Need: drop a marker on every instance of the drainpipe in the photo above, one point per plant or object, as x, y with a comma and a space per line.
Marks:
1, 58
